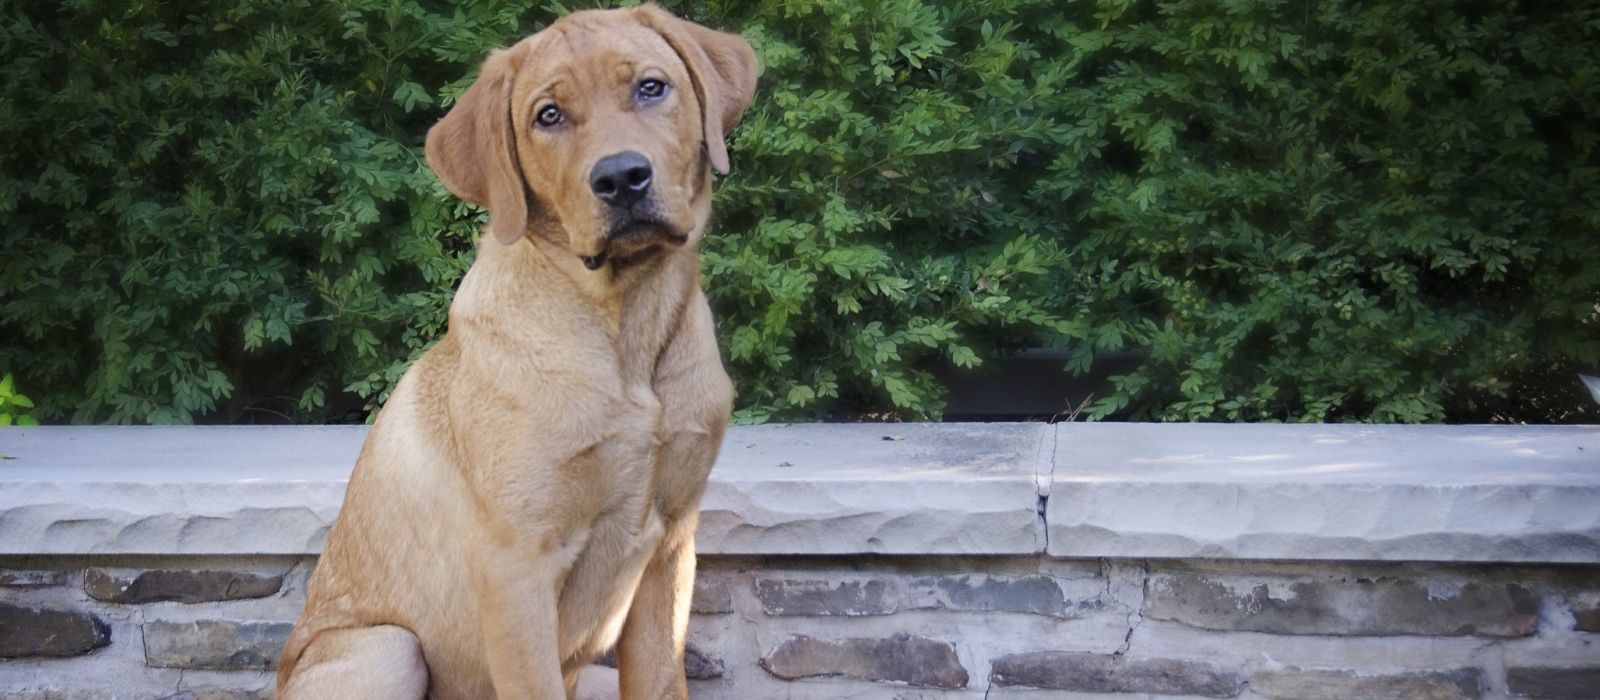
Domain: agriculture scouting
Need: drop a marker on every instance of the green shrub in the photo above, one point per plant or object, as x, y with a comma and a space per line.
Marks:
217, 207
1297, 210
14, 407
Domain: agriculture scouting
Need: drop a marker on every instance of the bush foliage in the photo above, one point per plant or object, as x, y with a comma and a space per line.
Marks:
14, 407
1308, 210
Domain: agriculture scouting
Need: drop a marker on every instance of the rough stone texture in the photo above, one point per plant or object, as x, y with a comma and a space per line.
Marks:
179, 490
1326, 492
1103, 673
1297, 684
710, 597
1036, 594
878, 489
859, 595
222, 694
1586, 617
122, 693
929, 607
827, 489
59, 694
135, 586
215, 644
1342, 606
32, 579
901, 658
1549, 683
697, 665
781, 596
32, 631
1328, 507
1320, 492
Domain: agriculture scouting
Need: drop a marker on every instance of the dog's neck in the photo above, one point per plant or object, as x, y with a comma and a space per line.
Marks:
636, 303
619, 280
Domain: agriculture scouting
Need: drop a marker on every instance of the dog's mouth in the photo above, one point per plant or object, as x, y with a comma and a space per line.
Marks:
635, 229
628, 237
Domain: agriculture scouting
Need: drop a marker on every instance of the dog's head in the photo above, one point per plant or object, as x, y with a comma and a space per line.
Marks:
598, 131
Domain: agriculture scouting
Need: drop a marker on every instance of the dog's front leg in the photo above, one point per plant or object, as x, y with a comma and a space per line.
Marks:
517, 595
650, 651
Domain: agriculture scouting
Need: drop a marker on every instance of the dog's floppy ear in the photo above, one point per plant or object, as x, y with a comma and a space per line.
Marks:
474, 152
723, 68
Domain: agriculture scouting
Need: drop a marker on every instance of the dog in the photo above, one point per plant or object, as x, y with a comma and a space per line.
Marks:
527, 498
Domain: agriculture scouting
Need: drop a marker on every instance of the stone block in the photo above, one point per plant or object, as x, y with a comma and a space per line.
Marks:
161, 585
949, 488
1298, 684
1554, 683
215, 644
697, 664
33, 631
788, 596
1035, 593
53, 693
711, 597
1457, 493
1586, 618
32, 579
1111, 673
902, 658
1342, 606
222, 694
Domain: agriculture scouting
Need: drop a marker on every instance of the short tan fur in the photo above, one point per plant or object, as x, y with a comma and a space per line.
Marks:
527, 499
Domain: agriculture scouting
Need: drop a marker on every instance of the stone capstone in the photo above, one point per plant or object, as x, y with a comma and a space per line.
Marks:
1296, 684
215, 644
1111, 673
948, 488
32, 579
902, 658
154, 586
1342, 606
1479, 493
854, 598
1554, 683
34, 631
1496, 494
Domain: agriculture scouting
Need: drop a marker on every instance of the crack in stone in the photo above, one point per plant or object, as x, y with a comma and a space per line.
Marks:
1135, 612
144, 641
1043, 482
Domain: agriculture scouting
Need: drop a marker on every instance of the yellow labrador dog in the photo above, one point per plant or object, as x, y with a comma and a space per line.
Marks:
528, 497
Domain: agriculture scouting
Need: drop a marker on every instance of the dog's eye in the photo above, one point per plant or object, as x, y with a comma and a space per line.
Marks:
549, 116
651, 89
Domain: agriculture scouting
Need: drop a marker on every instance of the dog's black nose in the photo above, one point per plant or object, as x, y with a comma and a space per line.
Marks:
621, 179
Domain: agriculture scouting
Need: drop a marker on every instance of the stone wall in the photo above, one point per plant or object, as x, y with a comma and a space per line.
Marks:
903, 563
896, 628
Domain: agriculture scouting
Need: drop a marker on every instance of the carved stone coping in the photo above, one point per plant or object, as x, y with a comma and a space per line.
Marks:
1526, 494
